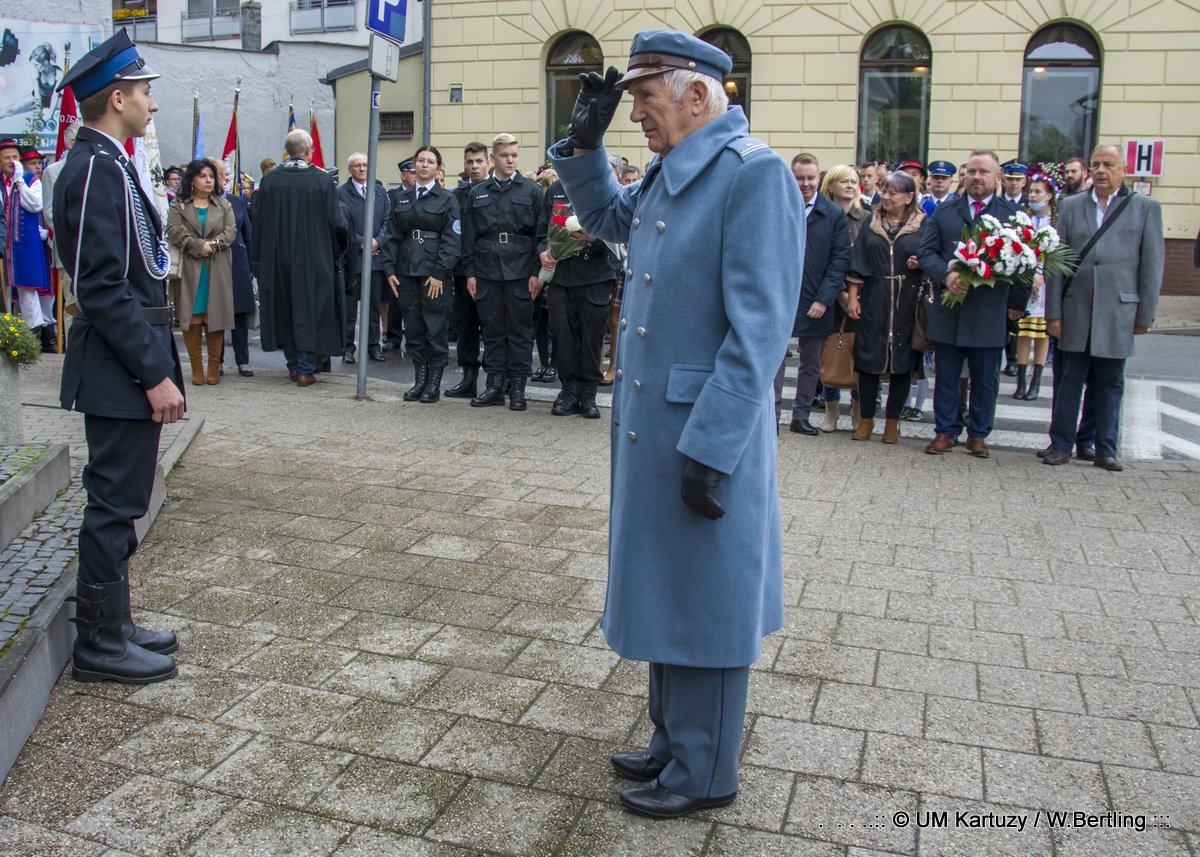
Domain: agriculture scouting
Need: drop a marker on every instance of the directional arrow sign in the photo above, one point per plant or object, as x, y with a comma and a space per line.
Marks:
387, 17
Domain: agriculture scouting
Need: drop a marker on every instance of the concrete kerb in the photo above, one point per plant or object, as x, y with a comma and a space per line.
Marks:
29, 492
34, 661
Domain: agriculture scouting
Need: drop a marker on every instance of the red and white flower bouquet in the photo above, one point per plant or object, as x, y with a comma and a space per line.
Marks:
562, 237
995, 252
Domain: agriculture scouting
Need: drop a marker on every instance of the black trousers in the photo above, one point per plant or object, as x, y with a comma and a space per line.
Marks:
118, 478
353, 290
506, 313
868, 390
578, 317
241, 338
465, 317
426, 322
542, 334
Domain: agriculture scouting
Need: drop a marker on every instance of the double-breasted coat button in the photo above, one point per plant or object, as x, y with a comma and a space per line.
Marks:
624, 323
631, 435
637, 221
629, 272
637, 385
620, 374
646, 277
660, 226
641, 331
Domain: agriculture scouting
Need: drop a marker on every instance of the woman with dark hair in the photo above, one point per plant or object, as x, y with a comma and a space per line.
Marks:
419, 257
1033, 343
884, 281
201, 223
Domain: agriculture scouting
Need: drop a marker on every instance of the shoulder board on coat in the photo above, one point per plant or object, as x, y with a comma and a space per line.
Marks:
748, 147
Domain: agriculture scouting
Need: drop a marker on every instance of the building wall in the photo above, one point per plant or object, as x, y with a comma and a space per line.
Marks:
804, 74
290, 71
84, 11
353, 118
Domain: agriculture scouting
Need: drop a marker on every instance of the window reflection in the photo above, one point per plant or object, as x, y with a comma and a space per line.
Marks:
1060, 95
893, 105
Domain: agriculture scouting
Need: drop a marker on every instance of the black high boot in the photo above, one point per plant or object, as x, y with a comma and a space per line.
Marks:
422, 378
516, 393
587, 402
493, 393
49, 338
467, 387
102, 650
1035, 385
433, 386
567, 401
1020, 393
163, 642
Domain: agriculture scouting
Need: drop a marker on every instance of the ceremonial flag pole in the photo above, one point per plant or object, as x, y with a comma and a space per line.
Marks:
232, 153
291, 122
318, 158
67, 116
197, 128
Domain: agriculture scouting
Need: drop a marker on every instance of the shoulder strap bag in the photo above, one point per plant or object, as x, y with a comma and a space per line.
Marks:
1091, 242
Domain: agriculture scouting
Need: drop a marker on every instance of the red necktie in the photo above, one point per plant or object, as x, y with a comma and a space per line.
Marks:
976, 207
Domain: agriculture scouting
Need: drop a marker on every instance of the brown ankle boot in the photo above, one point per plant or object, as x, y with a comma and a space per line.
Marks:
214, 339
863, 430
891, 431
192, 337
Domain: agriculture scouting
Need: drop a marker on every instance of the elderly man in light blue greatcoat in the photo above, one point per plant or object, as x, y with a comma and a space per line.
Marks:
716, 250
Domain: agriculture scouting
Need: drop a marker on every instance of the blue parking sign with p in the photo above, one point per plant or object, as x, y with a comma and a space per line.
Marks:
387, 17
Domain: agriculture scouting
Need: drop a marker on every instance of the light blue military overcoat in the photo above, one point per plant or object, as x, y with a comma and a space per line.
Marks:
716, 254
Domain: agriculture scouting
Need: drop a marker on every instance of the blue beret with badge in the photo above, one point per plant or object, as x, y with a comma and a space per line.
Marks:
658, 51
1014, 168
942, 168
112, 61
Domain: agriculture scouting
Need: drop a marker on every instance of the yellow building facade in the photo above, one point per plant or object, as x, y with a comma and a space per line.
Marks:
986, 72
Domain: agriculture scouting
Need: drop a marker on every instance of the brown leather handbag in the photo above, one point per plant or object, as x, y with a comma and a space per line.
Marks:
837, 359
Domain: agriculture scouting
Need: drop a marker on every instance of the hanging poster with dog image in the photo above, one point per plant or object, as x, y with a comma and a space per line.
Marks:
32, 57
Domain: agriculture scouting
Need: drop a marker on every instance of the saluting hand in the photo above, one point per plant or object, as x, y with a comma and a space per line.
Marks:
595, 106
166, 402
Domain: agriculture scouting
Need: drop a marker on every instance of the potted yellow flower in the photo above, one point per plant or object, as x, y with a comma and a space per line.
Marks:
19, 346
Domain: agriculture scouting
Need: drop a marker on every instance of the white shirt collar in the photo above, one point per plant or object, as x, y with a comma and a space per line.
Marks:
361, 187
1111, 197
428, 187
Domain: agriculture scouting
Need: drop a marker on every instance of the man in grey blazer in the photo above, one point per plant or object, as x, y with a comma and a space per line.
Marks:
1110, 300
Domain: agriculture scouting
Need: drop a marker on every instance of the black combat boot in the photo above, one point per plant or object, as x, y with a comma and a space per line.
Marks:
422, 378
433, 386
50, 338
567, 401
587, 402
493, 393
102, 651
516, 393
1020, 393
1035, 385
467, 387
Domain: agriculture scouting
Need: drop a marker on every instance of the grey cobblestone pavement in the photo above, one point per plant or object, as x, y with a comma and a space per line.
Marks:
389, 623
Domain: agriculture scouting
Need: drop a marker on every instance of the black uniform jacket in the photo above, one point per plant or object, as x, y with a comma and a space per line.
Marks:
423, 235
500, 227
595, 263
114, 354
461, 195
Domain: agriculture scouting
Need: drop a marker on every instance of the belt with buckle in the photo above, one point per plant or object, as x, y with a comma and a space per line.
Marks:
419, 235
154, 314
506, 237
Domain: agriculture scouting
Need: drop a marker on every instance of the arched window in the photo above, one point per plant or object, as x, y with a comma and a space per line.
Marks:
572, 54
893, 96
737, 83
1060, 95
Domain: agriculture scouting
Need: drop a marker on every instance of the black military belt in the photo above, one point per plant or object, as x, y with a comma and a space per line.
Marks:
506, 238
421, 235
153, 314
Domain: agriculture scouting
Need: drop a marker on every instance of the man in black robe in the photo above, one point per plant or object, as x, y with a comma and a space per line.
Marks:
299, 230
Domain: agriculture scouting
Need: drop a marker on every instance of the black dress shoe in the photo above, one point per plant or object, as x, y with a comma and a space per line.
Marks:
805, 427
1055, 457
654, 801
376, 354
1085, 453
348, 356
637, 766
1109, 462
1041, 453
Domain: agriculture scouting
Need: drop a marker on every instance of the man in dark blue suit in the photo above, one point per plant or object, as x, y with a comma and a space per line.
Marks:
974, 330
826, 262
353, 195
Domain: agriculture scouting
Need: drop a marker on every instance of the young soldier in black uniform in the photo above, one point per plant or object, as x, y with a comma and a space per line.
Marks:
579, 294
121, 369
419, 257
500, 260
464, 313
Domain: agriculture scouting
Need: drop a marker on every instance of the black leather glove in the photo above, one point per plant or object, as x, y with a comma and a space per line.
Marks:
699, 489
594, 109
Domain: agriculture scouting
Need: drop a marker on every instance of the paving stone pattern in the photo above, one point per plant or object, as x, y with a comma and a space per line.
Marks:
390, 646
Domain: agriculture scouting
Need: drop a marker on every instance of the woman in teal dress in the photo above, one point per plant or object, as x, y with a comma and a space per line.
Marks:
201, 224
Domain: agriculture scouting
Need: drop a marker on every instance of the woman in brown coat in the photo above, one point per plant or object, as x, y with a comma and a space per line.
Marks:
201, 224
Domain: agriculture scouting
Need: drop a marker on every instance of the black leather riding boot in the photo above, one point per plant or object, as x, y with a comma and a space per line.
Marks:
102, 651
1020, 392
163, 642
1035, 385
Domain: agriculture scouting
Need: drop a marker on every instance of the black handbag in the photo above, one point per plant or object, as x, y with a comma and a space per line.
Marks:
920, 334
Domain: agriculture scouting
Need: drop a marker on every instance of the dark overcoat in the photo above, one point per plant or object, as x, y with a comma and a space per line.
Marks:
356, 209
115, 354
243, 272
826, 262
887, 295
716, 252
299, 230
981, 320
